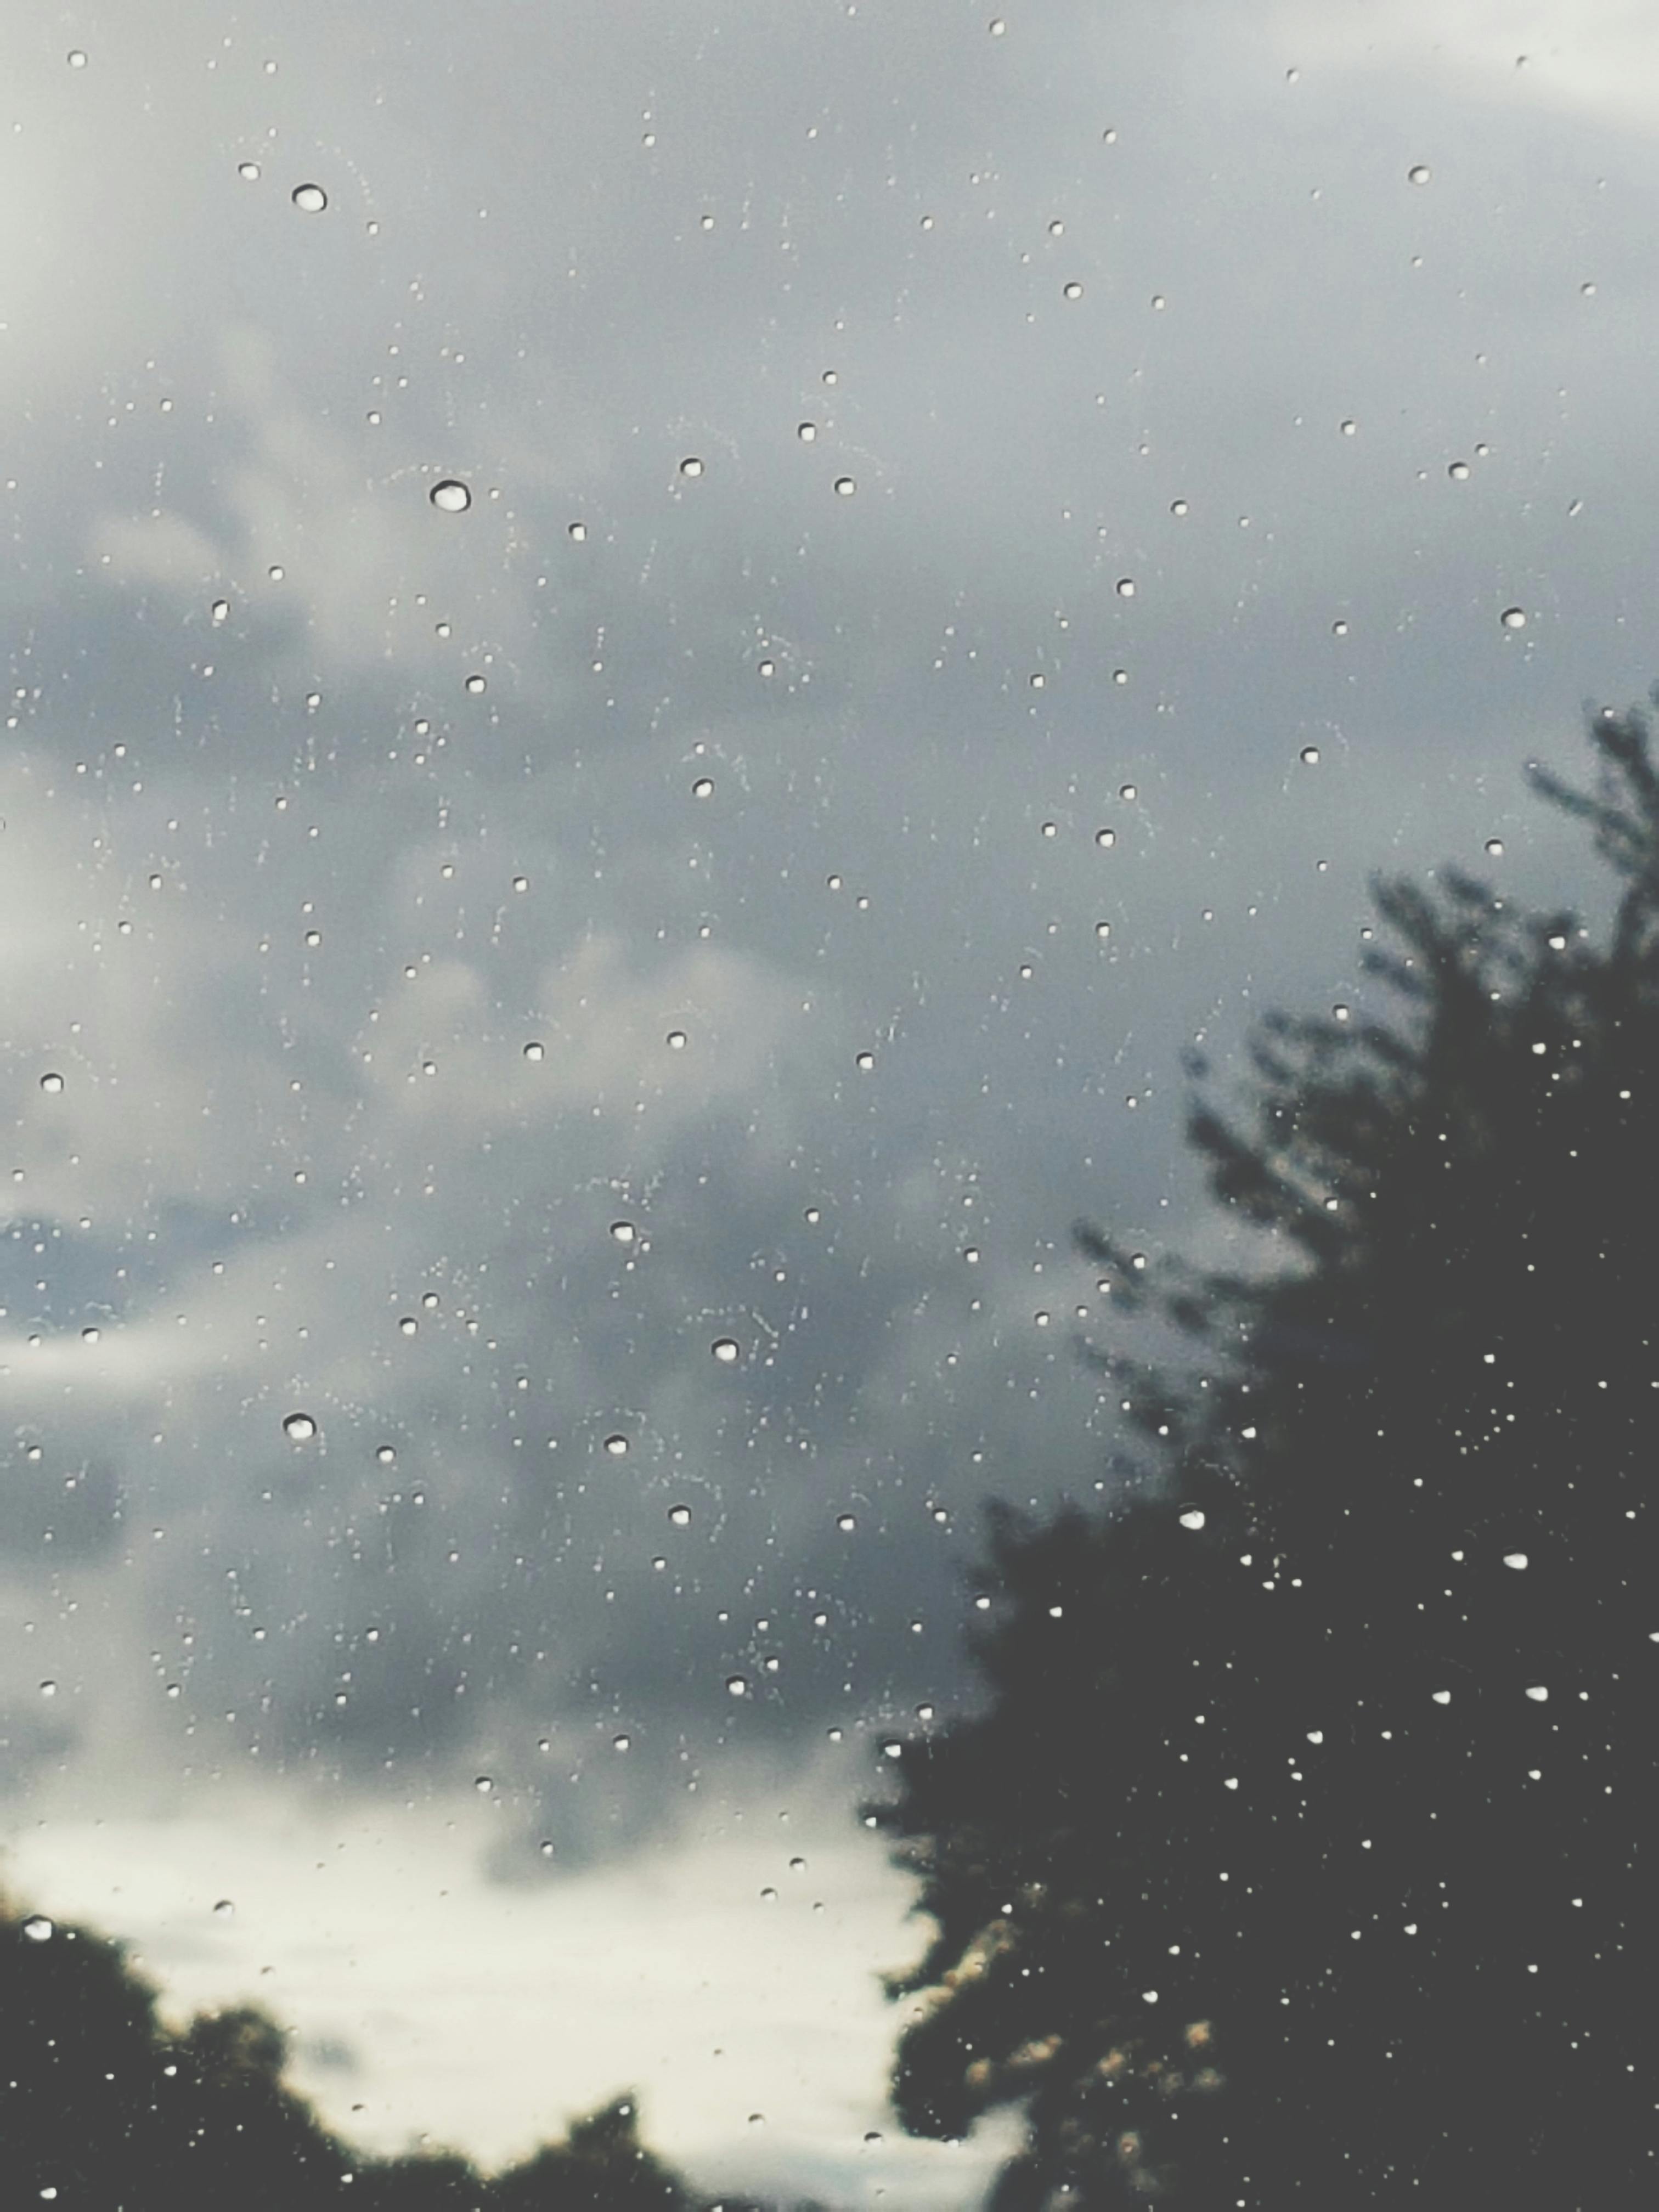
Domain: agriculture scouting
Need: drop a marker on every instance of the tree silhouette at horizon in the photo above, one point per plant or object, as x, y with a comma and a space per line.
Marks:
103, 2108
1296, 1854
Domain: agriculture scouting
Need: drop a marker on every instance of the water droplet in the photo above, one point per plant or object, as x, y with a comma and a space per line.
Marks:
845, 1524
1340, 1012
547, 1851
1339, 628
476, 684
224, 1910
1538, 1693
407, 1324
1074, 290
1105, 839
248, 172
49, 1688
450, 496
680, 1516
736, 1686
846, 486
1589, 290
299, 1428
1349, 429
77, 58
89, 1334
617, 1446
1514, 619
1310, 755
310, 199
1038, 680
1418, 174
39, 1929
1193, 1520
484, 1785
1495, 847
806, 432
52, 1082
1517, 1559
769, 1896
1178, 507
691, 466
1126, 588
725, 1350
676, 1040
623, 1231
703, 788
621, 1742
1442, 1697
767, 667
386, 1454
866, 1060
1459, 472
533, 1051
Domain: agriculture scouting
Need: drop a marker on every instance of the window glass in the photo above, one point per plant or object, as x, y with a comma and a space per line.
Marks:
673, 674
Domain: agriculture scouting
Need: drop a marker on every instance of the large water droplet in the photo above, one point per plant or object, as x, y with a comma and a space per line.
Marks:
533, 1051
1459, 472
725, 1350
39, 1929
52, 1082
1514, 619
680, 1516
1418, 174
224, 1910
299, 1428
310, 199
846, 486
691, 466
450, 496
617, 1446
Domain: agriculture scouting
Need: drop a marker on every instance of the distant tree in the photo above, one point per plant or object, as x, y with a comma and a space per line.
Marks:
1303, 1850
102, 2107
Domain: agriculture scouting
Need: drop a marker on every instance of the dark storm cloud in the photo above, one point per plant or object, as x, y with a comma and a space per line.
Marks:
899, 852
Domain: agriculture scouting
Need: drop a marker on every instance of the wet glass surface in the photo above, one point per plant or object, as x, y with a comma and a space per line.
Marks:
677, 677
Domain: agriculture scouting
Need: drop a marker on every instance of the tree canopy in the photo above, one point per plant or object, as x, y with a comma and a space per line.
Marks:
1297, 1854
104, 2109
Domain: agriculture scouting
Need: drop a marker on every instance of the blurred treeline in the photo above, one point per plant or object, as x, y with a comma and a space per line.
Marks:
103, 2109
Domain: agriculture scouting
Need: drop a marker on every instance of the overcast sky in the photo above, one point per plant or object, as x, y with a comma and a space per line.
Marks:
554, 1037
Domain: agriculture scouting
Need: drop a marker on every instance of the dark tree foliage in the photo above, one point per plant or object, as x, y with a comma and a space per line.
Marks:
1303, 1853
104, 2107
